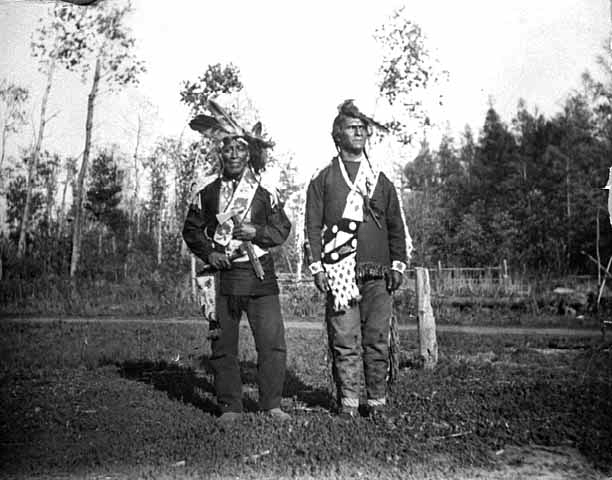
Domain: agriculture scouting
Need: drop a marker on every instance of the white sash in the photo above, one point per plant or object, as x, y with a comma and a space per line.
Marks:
236, 204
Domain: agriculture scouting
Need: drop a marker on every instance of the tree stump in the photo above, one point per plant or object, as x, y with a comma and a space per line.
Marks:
428, 345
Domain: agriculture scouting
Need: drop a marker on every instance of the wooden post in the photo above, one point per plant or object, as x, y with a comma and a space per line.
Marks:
506, 284
428, 345
439, 279
193, 278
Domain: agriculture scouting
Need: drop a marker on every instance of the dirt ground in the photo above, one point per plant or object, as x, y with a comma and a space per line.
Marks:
537, 463
308, 325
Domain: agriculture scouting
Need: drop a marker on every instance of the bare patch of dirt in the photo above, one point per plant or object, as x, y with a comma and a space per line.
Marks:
537, 463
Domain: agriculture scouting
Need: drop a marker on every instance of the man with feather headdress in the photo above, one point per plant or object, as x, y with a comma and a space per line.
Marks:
231, 224
358, 247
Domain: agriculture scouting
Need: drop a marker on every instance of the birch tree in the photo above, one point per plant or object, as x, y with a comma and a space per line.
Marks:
13, 99
407, 74
96, 43
48, 48
158, 165
70, 171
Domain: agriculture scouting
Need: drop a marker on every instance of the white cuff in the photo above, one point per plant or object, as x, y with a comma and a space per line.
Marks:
315, 267
398, 266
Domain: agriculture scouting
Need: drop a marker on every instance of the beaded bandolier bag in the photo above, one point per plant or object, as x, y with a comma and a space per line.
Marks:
234, 207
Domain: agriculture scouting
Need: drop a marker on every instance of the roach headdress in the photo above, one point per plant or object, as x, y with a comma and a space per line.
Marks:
349, 109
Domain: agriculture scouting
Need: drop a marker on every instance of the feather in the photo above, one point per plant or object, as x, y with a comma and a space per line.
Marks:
206, 124
349, 109
256, 136
256, 130
224, 118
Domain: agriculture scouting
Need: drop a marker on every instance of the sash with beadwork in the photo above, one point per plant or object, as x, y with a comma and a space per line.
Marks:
340, 240
235, 207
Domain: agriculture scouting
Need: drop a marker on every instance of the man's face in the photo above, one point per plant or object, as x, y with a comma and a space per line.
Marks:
235, 155
353, 135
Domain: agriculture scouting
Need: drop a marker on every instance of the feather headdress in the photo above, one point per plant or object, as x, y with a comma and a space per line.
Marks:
349, 109
220, 125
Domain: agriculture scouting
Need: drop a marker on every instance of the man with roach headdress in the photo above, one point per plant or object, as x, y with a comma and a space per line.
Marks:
231, 224
357, 249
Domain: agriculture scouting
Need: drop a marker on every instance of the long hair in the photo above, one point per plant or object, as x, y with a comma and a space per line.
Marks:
257, 157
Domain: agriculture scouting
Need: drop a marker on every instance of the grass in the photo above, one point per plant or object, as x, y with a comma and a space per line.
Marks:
136, 400
300, 301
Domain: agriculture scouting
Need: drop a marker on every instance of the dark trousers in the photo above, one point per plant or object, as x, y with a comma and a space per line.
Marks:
360, 336
266, 323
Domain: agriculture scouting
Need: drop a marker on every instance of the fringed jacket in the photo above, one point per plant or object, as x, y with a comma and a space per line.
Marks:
381, 242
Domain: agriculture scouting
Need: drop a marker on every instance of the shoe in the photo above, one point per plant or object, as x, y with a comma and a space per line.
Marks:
278, 414
348, 413
228, 418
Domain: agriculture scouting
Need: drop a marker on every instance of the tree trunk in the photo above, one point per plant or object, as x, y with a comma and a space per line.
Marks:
160, 225
62, 212
4, 135
78, 220
428, 345
25, 219
3, 201
568, 225
50, 197
135, 192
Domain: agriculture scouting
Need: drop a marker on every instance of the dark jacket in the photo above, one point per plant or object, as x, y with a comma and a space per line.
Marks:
377, 247
272, 229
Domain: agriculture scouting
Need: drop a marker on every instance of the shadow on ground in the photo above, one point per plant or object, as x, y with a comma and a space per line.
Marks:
179, 382
187, 385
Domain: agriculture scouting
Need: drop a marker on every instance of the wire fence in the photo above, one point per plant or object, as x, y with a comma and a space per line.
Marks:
488, 281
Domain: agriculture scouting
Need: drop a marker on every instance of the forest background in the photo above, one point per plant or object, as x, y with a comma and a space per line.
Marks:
99, 233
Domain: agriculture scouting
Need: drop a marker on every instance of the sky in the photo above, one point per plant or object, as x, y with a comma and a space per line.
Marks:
299, 60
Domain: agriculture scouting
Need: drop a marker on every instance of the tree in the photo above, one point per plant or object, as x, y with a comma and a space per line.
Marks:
104, 192
47, 46
407, 74
146, 114
217, 79
159, 165
189, 162
94, 38
13, 99
48, 173
70, 169
17, 193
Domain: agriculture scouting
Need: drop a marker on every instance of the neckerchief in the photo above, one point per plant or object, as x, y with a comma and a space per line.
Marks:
361, 189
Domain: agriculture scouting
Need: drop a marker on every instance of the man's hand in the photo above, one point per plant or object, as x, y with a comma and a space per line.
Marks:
244, 231
394, 280
219, 261
321, 282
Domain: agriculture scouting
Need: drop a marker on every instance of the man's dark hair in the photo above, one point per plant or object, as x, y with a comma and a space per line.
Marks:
348, 109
